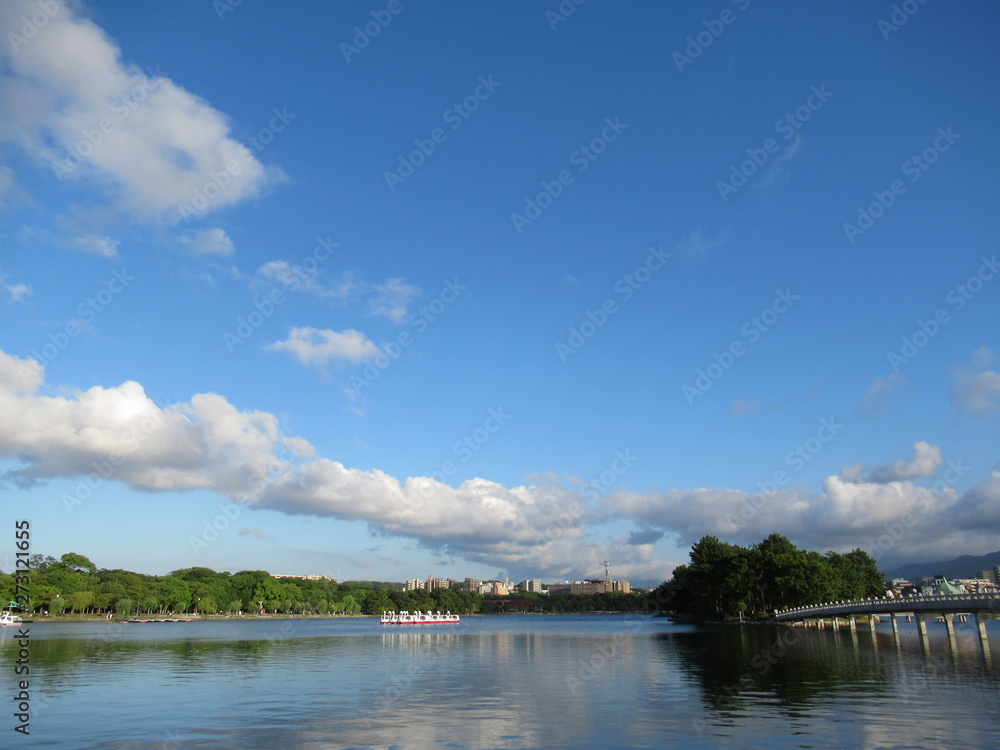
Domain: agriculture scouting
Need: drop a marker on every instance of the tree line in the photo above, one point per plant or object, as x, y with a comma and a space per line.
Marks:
724, 581
74, 585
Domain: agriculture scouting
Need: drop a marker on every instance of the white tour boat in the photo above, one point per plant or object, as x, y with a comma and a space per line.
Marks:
8, 618
418, 618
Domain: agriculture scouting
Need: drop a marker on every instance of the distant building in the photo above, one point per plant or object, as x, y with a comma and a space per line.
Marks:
988, 575
312, 577
533, 586
471, 585
590, 587
415, 583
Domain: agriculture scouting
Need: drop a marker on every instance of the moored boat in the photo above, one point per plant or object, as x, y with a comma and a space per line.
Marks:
9, 619
418, 618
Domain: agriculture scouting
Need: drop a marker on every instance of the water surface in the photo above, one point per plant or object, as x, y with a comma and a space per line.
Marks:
524, 681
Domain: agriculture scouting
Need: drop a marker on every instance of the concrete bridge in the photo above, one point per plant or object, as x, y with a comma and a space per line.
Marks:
983, 606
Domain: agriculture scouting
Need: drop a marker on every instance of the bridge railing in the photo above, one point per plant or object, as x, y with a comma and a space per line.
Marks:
954, 602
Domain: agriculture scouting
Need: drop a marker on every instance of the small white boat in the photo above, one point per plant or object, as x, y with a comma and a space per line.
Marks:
9, 619
418, 618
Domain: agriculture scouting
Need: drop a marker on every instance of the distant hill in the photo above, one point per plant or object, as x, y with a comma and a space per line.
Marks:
961, 567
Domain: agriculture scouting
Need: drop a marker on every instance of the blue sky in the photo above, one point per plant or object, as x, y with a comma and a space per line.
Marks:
389, 290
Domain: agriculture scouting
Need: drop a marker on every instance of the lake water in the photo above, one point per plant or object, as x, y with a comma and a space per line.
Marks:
522, 681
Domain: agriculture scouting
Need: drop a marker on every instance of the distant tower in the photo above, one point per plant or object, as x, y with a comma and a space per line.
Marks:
607, 577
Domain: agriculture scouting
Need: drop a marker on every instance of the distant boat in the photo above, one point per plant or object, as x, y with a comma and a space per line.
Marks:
9, 619
418, 618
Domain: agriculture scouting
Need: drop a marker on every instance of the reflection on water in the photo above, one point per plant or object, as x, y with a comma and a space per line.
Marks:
499, 682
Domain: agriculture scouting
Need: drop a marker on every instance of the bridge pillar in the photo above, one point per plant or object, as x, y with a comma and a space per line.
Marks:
853, 623
895, 630
984, 641
922, 627
949, 623
871, 624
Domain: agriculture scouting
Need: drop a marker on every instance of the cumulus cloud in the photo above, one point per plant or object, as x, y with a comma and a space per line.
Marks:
316, 347
391, 299
213, 241
844, 515
975, 389
68, 99
541, 529
206, 443
924, 462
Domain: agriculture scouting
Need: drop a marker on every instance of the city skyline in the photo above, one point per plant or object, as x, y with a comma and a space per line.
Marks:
497, 291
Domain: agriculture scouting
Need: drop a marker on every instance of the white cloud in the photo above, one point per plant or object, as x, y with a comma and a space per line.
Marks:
876, 398
213, 241
67, 98
204, 444
391, 299
256, 533
543, 529
926, 460
296, 278
975, 390
16, 292
208, 444
315, 347
106, 247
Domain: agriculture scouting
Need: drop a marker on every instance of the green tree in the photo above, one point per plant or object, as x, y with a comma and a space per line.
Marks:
79, 563
377, 602
80, 601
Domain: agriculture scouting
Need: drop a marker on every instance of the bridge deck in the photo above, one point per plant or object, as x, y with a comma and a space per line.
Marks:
948, 604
